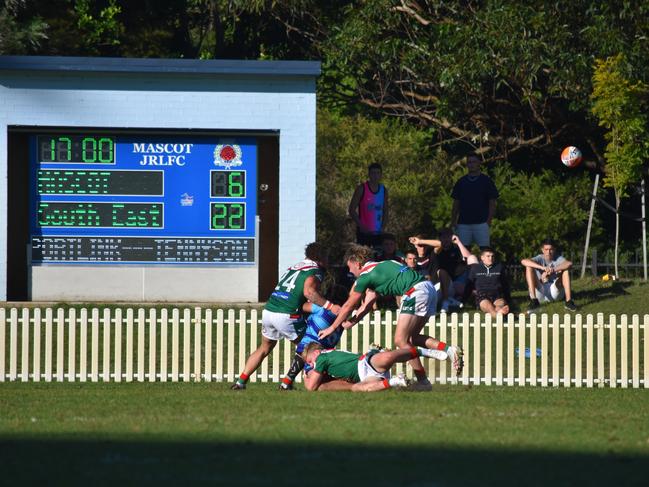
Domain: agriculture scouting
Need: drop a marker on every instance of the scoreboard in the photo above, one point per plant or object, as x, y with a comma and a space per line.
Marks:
161, 199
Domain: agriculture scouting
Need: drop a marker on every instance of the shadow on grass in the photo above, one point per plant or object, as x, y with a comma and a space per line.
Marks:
81, 462
615, 290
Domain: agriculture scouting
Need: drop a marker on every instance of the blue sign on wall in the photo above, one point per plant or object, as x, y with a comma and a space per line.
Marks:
130, 199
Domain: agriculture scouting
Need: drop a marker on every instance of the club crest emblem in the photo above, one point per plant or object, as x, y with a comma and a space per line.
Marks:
186, 200
227, 155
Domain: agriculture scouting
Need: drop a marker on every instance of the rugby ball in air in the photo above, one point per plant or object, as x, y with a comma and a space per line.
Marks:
571, 156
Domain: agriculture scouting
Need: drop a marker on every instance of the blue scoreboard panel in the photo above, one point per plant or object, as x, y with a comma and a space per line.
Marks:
142, 199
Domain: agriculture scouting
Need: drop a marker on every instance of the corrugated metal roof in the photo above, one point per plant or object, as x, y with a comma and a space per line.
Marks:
170, 66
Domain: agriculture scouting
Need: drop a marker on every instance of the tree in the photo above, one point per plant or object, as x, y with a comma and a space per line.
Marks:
620, 104
17, 34
504, 78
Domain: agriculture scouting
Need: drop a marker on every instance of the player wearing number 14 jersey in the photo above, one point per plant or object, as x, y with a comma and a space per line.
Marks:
282, 315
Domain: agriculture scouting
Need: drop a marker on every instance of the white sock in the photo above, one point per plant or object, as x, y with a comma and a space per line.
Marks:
436, 354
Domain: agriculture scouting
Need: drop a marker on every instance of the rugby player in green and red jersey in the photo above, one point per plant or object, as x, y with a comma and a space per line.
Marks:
418, 303
282, 315
338, 370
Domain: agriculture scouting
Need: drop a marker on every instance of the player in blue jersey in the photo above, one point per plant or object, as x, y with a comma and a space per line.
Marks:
319, 319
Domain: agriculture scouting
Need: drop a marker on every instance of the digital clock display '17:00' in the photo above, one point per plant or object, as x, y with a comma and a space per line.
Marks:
76, 149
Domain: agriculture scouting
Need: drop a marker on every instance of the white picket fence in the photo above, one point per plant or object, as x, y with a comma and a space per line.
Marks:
212, 345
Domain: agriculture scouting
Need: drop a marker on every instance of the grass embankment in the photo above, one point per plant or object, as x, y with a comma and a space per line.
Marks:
206, 434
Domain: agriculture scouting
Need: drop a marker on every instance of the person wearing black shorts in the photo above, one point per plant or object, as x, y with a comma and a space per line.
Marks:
491, 284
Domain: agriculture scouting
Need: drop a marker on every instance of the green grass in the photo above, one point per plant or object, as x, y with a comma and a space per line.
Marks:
592, 296
188, 434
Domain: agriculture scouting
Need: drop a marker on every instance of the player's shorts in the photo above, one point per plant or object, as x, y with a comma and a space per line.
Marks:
549, 291
366, 370
420, 300
276, 326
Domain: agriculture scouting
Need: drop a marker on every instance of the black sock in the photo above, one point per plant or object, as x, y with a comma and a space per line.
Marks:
296, 367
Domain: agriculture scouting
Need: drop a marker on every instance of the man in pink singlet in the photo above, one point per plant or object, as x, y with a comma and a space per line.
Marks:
369, 208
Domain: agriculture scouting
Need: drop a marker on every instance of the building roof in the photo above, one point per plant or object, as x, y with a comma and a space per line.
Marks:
169, 66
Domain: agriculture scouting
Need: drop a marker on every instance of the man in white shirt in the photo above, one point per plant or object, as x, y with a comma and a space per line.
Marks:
548, 277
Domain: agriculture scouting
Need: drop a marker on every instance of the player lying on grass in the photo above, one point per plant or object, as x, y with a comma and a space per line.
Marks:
418, 302
338, 370
319, 319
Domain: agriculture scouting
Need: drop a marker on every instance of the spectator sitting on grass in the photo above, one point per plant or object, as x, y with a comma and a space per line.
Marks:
548, 277
489, 280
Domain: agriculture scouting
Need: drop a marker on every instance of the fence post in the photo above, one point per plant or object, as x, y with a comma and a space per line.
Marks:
129, 345
589, 350
556, 329
612, 355
118, 345
567, 333
242, 342
48, 345
220, 348
208, 342
511, 329
153, 334
106, 319
187, 330
624, 352
72, 340
544, 350
94, 352
37, 345
521, 349
231, 373
499, 351
24, 368
601, 378
441, 319
164, 325
486, 370
141, 334
578, 349
175, 344
477, 325
198, 339
635, 351
83, 347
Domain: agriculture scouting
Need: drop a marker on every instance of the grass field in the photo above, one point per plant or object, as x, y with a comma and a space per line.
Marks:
107, 434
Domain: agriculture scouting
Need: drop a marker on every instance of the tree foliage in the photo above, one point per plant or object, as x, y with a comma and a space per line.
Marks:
497, 76
620, 104
19, 34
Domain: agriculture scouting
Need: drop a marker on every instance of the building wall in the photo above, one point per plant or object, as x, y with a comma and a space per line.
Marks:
284, 104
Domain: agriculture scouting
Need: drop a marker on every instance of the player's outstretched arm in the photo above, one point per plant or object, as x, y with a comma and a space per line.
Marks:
364, 308
345, 310
312, 293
